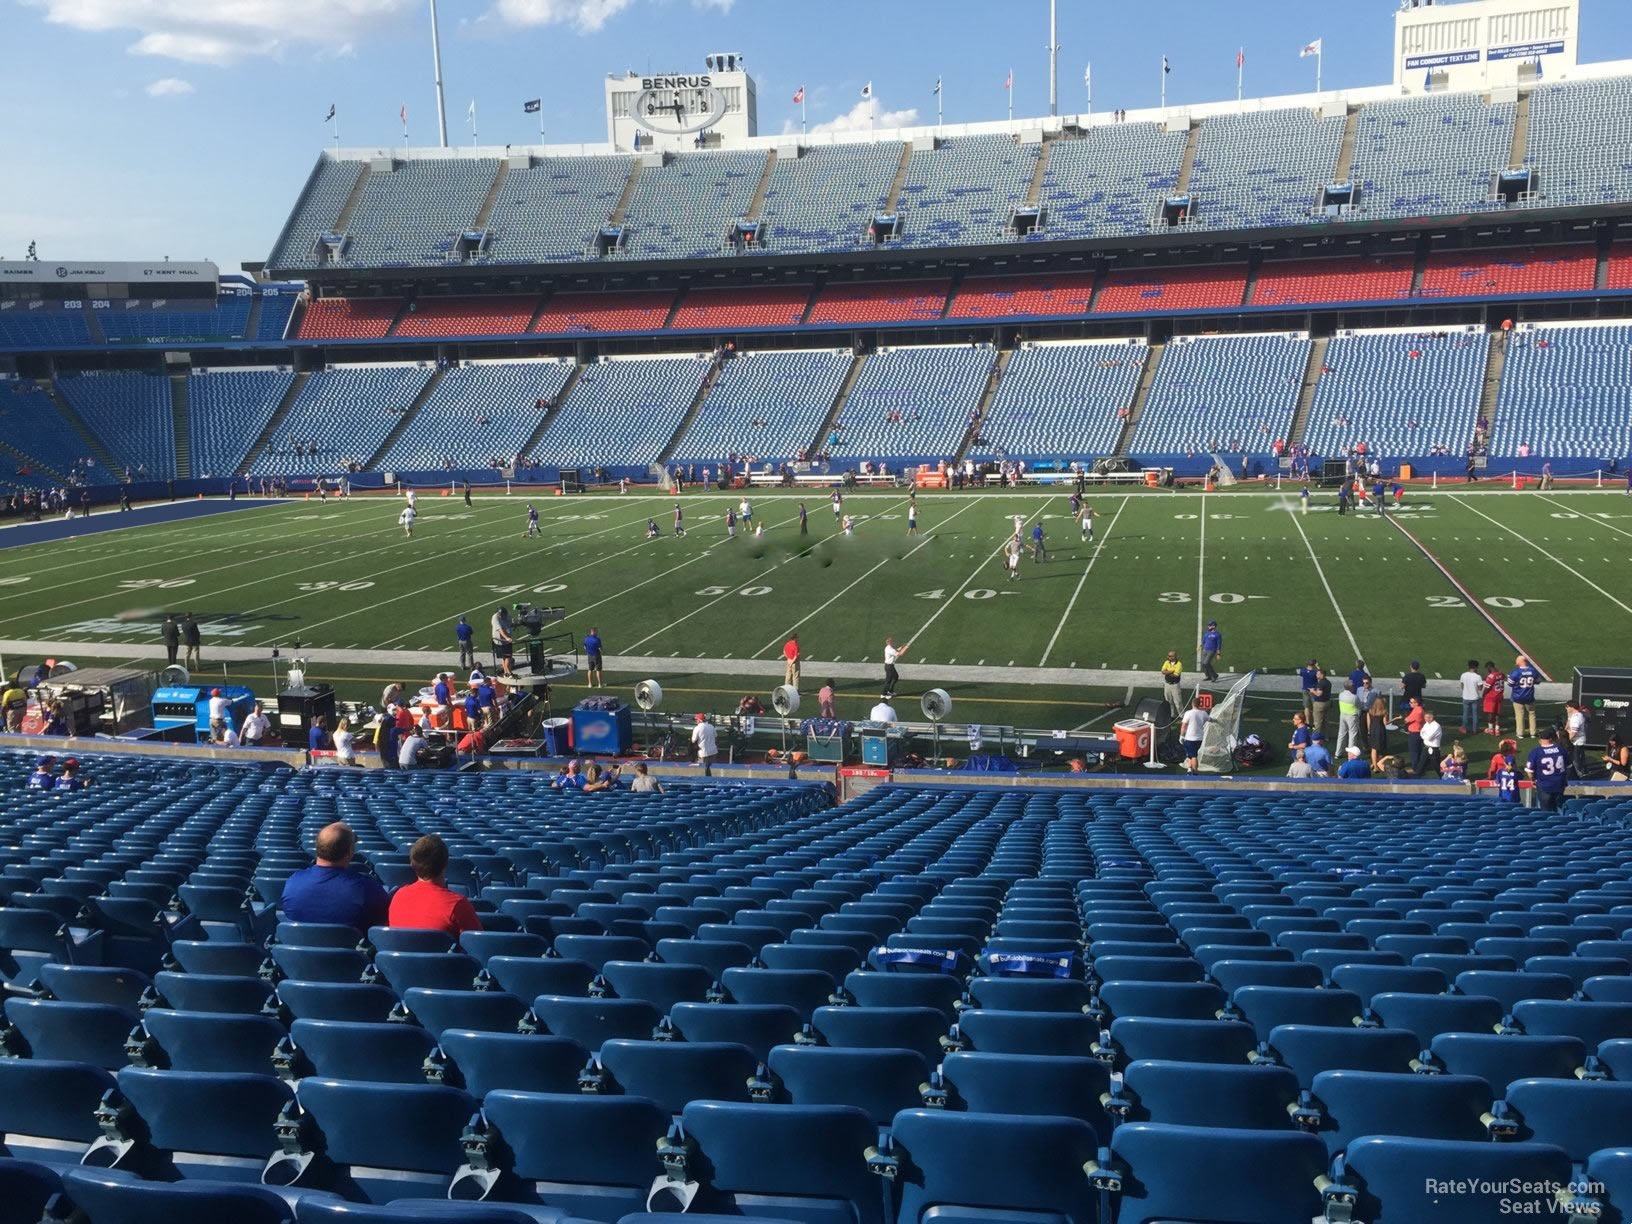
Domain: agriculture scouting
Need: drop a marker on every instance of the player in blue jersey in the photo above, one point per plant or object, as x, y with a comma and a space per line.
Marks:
532, 522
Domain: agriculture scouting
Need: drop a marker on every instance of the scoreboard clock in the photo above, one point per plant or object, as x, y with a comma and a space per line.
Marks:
674, 106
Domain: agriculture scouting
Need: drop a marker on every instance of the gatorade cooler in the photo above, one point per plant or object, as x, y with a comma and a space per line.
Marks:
1133, 738
1153, 478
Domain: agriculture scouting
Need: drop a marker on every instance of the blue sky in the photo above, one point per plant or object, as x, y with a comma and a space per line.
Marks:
136, 129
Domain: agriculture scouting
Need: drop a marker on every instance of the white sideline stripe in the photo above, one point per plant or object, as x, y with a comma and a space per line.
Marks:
1556, 561
718, 598
1320, 572
1109, 527
785, 634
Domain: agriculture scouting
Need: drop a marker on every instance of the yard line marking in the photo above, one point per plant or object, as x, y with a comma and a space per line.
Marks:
622, 526
1201, 575
1555, 560
1320, 572
718, 598
1588, 519
1110, 527
1469, 596
975, 573
782, 637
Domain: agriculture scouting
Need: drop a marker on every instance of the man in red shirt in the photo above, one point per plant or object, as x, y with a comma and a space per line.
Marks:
790, 670
428, 903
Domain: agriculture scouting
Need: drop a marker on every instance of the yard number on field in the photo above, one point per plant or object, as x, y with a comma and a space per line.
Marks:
1218, 597
1490, 601
747, 590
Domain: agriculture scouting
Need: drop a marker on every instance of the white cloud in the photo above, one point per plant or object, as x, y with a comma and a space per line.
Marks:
213, 32
587, 15
169, 87
857, 119
223, 32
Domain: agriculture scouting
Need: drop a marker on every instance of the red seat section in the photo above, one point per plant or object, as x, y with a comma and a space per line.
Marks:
464, 316
568, 313
767, 306
1309, 282
996, 297
348, 318
1619, 272
890, 302
1522, 270
1172, 289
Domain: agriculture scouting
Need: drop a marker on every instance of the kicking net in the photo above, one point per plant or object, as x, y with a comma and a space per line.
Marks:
1223, 730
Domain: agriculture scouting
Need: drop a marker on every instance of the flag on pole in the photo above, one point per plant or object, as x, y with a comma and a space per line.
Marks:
330, 115
471, 111
1166, 67
938, 83
403, 114
1309, 49
1008, 81
1241, 58
1538, 67
799, 95
867, 90
532, 107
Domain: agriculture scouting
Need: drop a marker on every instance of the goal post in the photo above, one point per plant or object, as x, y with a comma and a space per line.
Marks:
1223, 730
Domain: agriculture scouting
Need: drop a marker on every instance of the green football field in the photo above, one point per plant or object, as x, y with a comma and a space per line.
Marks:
1450, 576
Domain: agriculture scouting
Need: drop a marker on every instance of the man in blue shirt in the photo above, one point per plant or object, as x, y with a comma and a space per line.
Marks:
1212, 646
1306, 681
1379, 494
1038, 552
1522, 693
318, 738
595, 678
1356, 767
488, 700
331, 891
1359, 675
473, 710
1548, 767
1316, 755
467, 643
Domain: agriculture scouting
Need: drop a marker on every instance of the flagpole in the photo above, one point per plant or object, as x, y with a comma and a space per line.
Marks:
1240, 71
436, 67
541, 122
1164, 82
335, 119
1011, 95
1320, 56
1053, 58
1088, 83
801, 110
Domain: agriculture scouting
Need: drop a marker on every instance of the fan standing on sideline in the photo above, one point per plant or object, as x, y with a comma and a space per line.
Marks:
706, 742
790, 666
1521, 691
892, 654
592, 660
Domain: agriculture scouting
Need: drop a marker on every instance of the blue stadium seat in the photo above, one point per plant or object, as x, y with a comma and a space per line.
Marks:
1401, 1179
528, 977
879, 1082
660, 985
1165, 1000
872, 1028
760, 1027
48, 1109
1356, 1103
995, 1166
809, 1160
110, 1197
193, 1124
1430, 1015
1029, 994
440, 1010
219, 957
352, 1001
671, 1073
404, 971
380, 1141
1611, 1168
1054, 1033
319, 964
1207, 1094
92, 1033
481, 1062
595, 1156
1309, 1049
1198, 1173
95, 984
1579, 1116
1268, 1007
315, 1209
1220, 1041
592, 1021
28, 1189
376, 1053
201, 1041
1592, 1023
